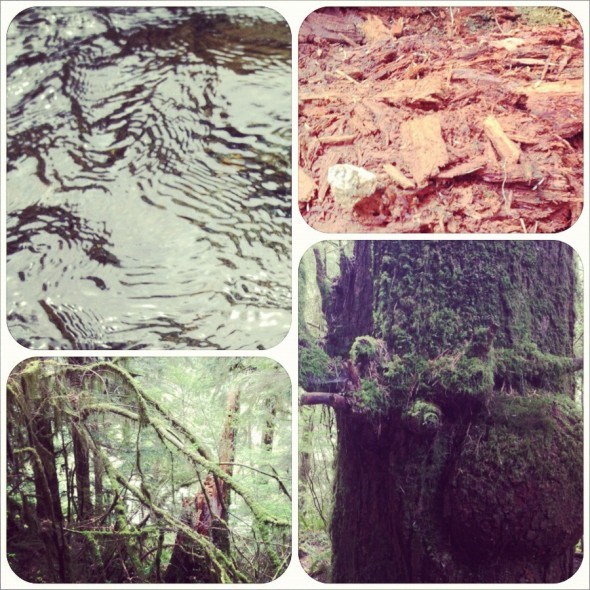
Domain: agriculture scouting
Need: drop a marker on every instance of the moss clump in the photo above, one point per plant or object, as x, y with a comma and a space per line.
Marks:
314, 362
423, 417
365, 349
525, 365
372, 398
465, 375
396, 369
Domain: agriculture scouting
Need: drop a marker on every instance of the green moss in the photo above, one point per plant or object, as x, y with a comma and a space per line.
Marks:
395, 369
372, 398
520, 470
526, 366
470, 376
468, 319
365, 349
314, 362
423, 417
433, 297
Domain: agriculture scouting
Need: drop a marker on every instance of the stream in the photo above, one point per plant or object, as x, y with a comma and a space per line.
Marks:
148, 178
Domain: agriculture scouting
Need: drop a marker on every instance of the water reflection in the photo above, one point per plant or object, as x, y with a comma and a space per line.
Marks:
148, 177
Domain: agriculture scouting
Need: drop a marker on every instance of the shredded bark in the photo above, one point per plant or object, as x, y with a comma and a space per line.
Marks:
471, 118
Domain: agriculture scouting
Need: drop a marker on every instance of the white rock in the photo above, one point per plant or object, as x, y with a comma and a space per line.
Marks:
350, 184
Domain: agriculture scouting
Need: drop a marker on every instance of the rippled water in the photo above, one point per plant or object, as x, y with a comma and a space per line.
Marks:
148, 184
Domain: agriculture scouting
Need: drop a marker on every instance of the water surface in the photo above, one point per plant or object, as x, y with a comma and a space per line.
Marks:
148, 180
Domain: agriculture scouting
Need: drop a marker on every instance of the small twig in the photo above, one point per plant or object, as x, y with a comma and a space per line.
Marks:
347, 40
281, 484
496, 20
504, 184
347, 77
546, 68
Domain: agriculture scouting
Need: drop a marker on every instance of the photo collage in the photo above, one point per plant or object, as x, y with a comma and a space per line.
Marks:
294, 294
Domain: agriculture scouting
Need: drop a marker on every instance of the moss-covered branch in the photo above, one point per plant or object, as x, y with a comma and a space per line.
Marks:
333, 400
141, 395
198, 457
222, 563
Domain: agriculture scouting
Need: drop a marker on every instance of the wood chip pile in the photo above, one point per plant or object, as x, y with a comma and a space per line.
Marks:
471, 118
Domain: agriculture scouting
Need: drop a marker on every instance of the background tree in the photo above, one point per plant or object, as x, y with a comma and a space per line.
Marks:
459, 457
136, 470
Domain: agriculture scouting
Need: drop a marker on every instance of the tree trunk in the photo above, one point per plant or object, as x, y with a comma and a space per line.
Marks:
98, 482
270, 424
460, 457
81, 456
207, 513
47, 494
82, 464
227, 456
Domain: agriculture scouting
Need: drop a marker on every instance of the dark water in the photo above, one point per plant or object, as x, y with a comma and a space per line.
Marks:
148, 183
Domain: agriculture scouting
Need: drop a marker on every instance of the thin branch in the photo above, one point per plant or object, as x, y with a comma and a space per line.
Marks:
281, 484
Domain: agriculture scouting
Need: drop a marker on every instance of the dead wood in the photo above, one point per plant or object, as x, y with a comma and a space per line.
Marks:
423, 148
473, 125
508, 151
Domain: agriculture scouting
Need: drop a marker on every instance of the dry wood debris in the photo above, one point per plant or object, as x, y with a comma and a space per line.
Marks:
471, 118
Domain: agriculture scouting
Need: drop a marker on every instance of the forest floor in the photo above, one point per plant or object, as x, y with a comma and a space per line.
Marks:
315, 554
470, 118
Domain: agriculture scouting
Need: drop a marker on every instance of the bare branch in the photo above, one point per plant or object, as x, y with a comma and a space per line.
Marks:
334, 400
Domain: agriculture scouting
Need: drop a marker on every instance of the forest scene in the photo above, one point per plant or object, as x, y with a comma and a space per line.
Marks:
135, 470
441, 419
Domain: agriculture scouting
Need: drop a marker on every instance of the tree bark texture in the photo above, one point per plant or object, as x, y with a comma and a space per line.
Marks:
469, 469
349, 313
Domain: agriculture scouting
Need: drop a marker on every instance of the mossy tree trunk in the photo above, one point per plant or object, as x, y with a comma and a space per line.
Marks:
40, 429
460, 456
208, 512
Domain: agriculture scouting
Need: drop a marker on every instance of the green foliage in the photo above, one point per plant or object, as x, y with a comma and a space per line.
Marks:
317, 444
149, 428
316, 552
